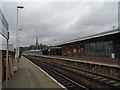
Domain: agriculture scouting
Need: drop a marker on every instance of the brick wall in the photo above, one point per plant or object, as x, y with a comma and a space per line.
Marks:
3, 54
72, 51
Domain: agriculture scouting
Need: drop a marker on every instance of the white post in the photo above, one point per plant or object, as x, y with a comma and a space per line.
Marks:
19, 42
7, 58
16, 53
17, 47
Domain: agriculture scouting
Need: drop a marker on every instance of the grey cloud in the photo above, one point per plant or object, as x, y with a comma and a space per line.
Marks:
61, 21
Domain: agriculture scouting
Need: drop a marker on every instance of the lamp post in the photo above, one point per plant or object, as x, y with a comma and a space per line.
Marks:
17, 47
19, 42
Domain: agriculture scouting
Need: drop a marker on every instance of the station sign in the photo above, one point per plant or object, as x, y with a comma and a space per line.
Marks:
3, 26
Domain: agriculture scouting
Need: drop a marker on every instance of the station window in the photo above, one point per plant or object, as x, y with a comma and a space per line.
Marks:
92, 49
68, 51
74, 50
79, 50
87, 50
100, 49
108, 49
117, 48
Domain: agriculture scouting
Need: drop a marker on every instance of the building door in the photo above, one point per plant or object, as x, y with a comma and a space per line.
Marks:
74, 52
82, 51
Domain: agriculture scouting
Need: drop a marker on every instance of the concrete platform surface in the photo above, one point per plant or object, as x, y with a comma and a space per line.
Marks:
108, 63
29, 76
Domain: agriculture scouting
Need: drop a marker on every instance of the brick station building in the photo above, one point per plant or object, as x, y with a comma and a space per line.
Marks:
102, 46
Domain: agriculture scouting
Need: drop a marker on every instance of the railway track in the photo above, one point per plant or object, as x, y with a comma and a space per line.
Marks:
73, 76
65, 81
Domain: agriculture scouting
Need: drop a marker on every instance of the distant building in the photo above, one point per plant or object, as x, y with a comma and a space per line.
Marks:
32, 52
37, 46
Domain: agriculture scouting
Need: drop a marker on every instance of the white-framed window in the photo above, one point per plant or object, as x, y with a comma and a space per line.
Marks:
68, 51
74, 50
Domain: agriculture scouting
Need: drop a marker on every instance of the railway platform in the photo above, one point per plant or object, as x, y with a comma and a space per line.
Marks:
108, 69
30, 76
108, 63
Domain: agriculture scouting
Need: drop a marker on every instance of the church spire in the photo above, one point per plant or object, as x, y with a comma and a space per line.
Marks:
37, 44
36, 40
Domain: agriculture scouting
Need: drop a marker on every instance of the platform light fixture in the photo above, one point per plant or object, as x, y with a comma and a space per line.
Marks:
20, 7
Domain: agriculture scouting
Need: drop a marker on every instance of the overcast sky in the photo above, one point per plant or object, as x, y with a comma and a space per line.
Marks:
55, 22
